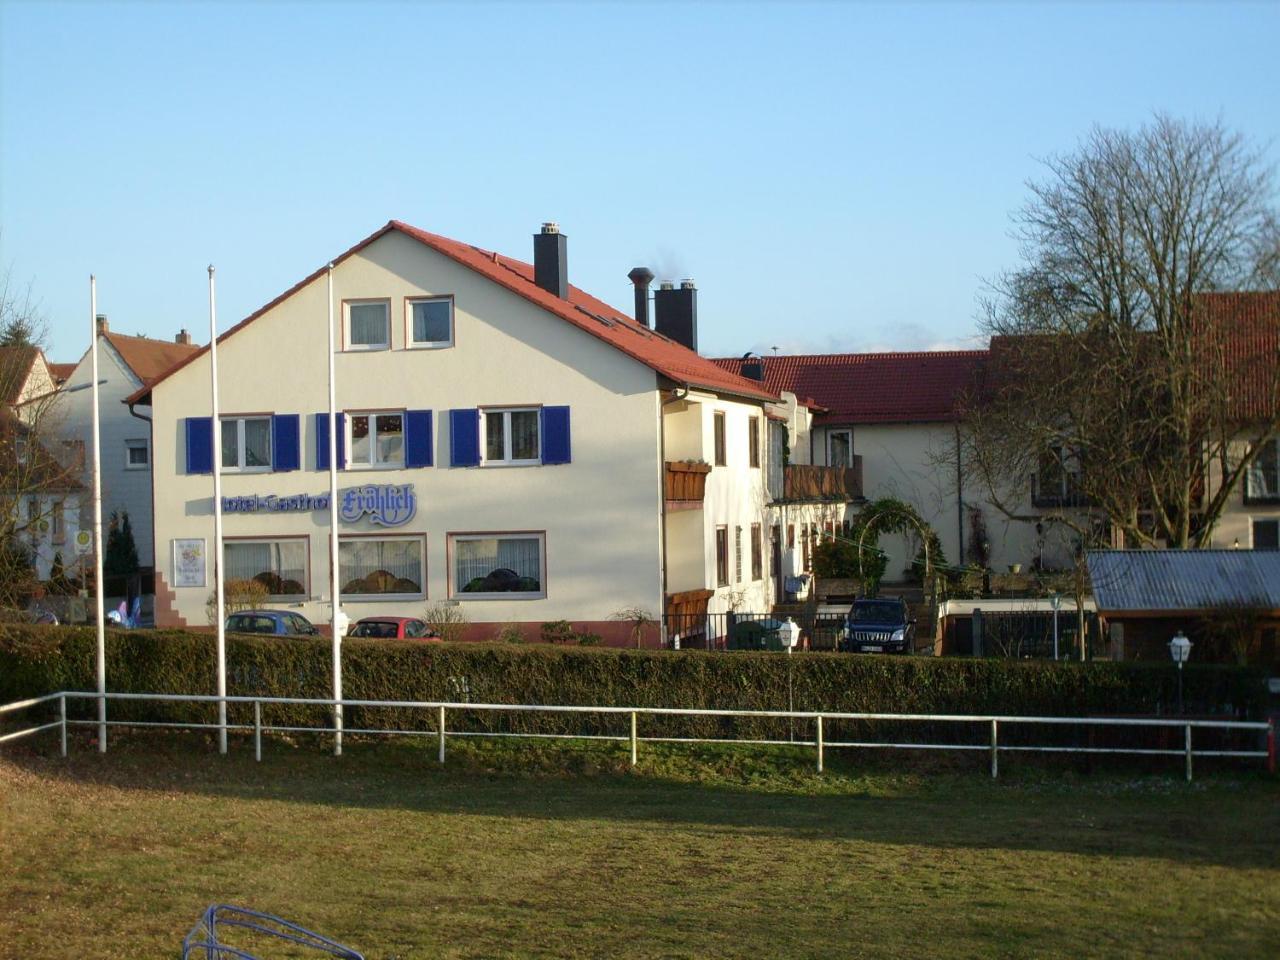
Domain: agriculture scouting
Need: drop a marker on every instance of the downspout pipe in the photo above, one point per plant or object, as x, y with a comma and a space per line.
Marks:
679, 393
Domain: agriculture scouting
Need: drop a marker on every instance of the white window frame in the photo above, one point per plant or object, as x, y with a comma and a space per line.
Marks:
413, 344
350, 347
240, 421
455, 589
145, 447
831, 435
418, 538
507, 460
374, 464
1254, 496
306, 559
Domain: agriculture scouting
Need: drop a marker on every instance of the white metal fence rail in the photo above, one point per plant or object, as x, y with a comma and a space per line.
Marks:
993, 723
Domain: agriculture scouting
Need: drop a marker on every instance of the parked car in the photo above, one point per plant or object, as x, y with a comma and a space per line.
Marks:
879, 626
393, 628
277, 622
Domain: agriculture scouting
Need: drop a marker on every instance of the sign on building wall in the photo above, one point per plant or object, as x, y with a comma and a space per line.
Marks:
386, 504
189, 567
84, 543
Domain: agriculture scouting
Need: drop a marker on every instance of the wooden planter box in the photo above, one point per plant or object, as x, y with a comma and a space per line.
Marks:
686, 482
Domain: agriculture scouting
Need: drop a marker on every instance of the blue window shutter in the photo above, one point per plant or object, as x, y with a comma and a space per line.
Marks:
555, 435
322, 441
464, 438
285, 435
199, 445
417, 438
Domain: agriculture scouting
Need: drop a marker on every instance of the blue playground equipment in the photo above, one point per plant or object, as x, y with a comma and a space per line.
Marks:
204, 940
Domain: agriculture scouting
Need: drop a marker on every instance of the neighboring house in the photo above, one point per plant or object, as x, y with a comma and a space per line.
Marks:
26, 379
125, 364
1226, 601
891, 418
508, 445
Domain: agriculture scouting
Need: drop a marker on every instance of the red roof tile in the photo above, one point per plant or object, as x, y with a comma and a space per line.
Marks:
665, 356
874, 387
62, 372
149, 359
1249, 324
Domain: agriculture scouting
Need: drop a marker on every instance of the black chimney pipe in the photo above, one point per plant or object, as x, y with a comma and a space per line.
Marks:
551, 260
641, 277
675, 313
753, 366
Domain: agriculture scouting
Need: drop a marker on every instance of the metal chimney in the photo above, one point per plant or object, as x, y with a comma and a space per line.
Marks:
642, 277
551, 260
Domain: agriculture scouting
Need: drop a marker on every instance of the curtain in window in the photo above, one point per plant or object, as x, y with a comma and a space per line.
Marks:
230, 444
368, 323
524, 435
390, 438
257, 443
360, 439
369, 566
431, 321
279, 565
495, 565
1263, 480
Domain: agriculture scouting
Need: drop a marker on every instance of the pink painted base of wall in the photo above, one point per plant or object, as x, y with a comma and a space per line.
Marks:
613, 633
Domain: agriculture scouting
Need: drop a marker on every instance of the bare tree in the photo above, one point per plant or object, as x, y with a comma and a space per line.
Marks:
1121, 387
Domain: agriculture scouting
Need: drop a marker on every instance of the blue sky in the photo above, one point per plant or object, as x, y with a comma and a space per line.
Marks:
834, 176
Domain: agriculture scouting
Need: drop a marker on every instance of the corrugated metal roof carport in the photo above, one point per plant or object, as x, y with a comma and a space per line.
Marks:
1156, 582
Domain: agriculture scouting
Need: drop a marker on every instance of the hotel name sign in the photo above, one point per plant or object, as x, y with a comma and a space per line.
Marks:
386, 504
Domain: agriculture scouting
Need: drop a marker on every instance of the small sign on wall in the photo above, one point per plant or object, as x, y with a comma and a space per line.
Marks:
84, 543
189, 567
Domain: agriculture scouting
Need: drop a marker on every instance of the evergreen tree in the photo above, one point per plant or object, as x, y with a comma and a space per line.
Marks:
121, 558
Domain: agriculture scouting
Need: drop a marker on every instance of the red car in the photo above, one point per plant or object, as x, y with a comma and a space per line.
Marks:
393, 628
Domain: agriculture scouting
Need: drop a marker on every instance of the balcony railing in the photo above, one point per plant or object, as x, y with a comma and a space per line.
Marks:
1062, 491
686, 484
806, 482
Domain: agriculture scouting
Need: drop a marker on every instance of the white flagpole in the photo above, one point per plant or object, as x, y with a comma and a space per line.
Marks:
334, 584
97, 523
217, 519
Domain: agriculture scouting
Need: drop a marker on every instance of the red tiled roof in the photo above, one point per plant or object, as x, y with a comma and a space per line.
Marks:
15, 370
665, 356
874, 387
1249, 324
61, 372
149, 359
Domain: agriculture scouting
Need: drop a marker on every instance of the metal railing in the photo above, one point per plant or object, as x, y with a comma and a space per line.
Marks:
748, 631
992, 723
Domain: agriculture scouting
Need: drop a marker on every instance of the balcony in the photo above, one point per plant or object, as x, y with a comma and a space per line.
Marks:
686, 484
803, 482
1059, 491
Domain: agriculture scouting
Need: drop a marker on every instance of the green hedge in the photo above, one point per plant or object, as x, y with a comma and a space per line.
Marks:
36, 660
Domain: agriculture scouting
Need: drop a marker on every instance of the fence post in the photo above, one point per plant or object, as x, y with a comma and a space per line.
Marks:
633, 739
1188, 729
1271, 745
62, 713
440, 731
995, 749
257, 730
819, 741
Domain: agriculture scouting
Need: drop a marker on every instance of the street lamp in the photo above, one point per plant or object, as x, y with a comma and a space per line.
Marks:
1056, 600
1179, 650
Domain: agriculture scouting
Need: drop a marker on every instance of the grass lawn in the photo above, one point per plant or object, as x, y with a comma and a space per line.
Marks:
544, 850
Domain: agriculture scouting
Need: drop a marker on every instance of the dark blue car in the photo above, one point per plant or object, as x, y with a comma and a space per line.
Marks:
276, 622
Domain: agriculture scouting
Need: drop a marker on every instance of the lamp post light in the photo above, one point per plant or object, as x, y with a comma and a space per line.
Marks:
1179, 650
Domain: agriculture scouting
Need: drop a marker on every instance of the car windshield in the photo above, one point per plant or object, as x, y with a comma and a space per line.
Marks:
374, 629
876, 613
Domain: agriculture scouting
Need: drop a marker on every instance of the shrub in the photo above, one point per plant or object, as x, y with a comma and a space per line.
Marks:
557, 631
237, 595
448, 620
509, 633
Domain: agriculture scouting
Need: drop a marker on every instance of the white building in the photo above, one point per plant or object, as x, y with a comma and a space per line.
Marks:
508, 444
125, 364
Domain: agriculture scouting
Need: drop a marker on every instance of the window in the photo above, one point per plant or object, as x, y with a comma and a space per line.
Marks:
246, 443
757, 553
58, 524
840, 448
430, 322
511, 436
737, 554
279, 565
368, 325
1262, 484
33, 519
806, 545
1266, 534
753, 441
498, 566
722, 556
791, 536
721, 459
136, 455
375, 440
376, 568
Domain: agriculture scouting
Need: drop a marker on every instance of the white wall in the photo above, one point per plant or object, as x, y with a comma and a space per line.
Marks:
600, 512
71, 416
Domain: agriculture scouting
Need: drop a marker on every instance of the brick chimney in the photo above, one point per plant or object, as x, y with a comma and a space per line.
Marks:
183, 337
102, 324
